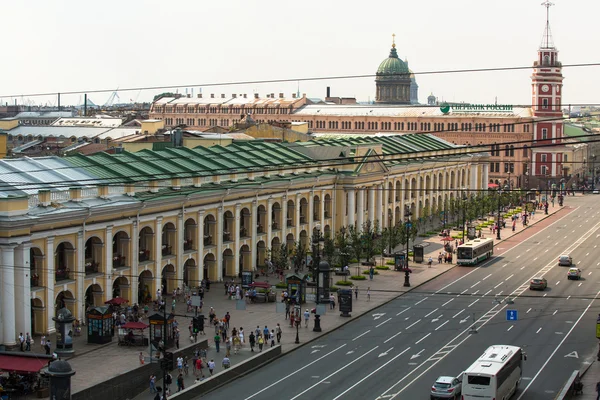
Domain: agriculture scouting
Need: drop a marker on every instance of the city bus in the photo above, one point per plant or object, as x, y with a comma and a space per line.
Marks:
472, 252
495, 375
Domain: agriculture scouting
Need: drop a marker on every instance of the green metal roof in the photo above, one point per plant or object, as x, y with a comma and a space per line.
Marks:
393, 65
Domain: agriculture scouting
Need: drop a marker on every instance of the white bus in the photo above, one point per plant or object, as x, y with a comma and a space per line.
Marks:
472, 252
495, 375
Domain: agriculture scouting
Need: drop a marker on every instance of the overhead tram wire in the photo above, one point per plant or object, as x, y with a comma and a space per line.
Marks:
284, 80
335, 161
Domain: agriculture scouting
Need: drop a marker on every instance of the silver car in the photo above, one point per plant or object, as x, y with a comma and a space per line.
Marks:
565, 259
446, 387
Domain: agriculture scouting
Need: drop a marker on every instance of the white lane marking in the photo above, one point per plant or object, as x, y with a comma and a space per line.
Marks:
587, 254
528, 311
580, 284
509, 277
519, 256
442, 325
565, 237
523, 267
294, 373
486, 293
420, 301
423, 338
500, 284
487, 277
474, 293
411, 325
447, 302
557, 347
507, 264
538, 331
546, 250
535, 259
475, 284
547, 295
392, 337
431, 313
556, 244
527, 251
555, 311
334, 373
473, 303
458, 313
368, 376
589, 273
406, 309
361, 335
383, 322
499, 293
463, 292
557, 282
509, 328
568, 297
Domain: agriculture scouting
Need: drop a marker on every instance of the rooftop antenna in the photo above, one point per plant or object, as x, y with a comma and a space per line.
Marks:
547, 42
298, 91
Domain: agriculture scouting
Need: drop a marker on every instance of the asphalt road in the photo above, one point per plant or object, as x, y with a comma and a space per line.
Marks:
397, 350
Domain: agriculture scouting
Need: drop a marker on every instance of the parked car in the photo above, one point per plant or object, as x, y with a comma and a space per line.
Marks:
574, 273
446, 387
538, 284
565, 259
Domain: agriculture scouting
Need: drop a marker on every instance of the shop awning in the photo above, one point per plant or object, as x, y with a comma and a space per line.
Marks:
21, 364
492, 185
135, 325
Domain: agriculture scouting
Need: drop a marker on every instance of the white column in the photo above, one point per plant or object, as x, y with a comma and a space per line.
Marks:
8, 294
474, 177
135, 255
372, 205
360, 212
486, 177
269, 222
284, 211
236, 251
553, 165
254, 225
219, 244
351, 207
418, 197
108, 276
311, 210
50, 279
378, 206
23, 288
322, 210
78, 274
158, 257
200, 236
297, 235
179, 256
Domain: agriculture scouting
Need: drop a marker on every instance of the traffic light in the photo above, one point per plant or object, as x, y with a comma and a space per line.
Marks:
198, 324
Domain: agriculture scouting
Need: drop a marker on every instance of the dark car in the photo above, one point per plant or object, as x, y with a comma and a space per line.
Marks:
538, 284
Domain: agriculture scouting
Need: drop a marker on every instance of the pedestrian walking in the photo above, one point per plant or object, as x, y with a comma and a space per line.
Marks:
217, 341
252, 340
306, 318
261, 342
226, 362
228, 347
152, 383
272, 337
242, 336
180, 383
177, 338
227, 318
27, 342
198, 367
430, 261
141, 357
598, 391
332, 301
278, 333
211, 366
168, 382
266, 332
43, 342
48, 346
236, 344
356, 292
180, 364
21, 342
371, 273
369, 293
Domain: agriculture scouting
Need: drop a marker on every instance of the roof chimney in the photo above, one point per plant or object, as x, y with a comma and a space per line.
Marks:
272, 95
188, 95
234, 95
245, 96
293, 95
212, 95
328, 91
281, 95
199, 95
222, 95
256, 95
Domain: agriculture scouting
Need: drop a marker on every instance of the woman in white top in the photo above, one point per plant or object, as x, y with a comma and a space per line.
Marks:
241, 335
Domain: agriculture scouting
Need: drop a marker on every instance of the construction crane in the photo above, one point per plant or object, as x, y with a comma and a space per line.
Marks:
111, 100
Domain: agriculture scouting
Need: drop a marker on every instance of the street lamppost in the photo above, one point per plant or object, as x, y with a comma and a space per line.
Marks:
408, 225
390, 233
593, 172
464, 203
547, 187
498, 227
317, 238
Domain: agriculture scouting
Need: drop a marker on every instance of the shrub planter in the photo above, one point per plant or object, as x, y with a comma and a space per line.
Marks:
366, 272
344, 283
382, 267
358, 277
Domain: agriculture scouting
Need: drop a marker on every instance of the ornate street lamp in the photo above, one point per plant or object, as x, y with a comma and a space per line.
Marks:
408, 226
498, 227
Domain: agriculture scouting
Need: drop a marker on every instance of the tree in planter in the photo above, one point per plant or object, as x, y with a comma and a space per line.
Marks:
369, 235
355, 241
425, 212
298, 255
452, 209
390, 238
342, 243
279, 257
329, 249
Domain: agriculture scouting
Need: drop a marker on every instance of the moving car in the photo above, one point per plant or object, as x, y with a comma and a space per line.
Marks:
574, 273
565, 259
446, 387
538, 284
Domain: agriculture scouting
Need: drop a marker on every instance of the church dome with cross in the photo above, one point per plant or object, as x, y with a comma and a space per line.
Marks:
393, 80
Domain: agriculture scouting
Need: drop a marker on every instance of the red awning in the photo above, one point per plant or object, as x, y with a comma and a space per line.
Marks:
492, 186
135, 325
21, 364
262, 285
117, 301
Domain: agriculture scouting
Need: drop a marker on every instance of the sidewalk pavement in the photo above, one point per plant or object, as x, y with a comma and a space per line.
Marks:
90, 359
590, 376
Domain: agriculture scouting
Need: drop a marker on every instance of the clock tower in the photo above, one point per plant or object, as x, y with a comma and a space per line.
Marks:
546, 92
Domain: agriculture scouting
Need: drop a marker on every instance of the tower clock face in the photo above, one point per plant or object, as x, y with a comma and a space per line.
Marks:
545, 88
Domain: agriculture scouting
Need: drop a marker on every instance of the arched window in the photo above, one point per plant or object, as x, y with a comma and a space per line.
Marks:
525, 154
512, 150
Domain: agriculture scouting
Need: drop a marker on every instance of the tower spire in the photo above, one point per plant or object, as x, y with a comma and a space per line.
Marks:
547, 42
393, 40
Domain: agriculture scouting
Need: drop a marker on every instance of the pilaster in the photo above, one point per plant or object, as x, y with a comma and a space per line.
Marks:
23, 288
8, 294
50, 279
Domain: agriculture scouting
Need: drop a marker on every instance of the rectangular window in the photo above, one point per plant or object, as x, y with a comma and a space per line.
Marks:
565, 158
544, 103
544, 133
543, 158
511, 168
505, 167
497, 167
543, 170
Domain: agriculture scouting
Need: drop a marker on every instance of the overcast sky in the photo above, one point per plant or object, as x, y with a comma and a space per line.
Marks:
59, 46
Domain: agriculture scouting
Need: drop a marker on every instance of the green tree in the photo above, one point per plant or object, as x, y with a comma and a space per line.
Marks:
329, 249
298, 255
391, 237
342, 244
355, 241
279, 256
369, 235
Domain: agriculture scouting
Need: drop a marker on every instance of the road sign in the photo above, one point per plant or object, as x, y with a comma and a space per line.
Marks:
512, 315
